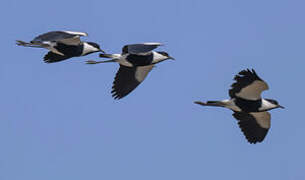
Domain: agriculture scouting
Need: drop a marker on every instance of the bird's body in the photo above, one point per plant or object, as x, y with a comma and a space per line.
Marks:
249, 108
239, 104
62, 45
136, 61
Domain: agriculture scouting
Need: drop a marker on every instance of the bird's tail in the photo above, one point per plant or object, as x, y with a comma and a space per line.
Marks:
97, 62
26, 44
211, 103
114, 58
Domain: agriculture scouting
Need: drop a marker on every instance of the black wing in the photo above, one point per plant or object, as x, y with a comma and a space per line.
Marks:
127, 79
53, 57
255, 126
140, 48
248, 86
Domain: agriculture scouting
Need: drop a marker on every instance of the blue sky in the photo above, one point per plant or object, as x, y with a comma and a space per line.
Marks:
59, 121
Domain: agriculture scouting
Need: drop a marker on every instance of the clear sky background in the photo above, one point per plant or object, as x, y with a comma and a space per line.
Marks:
59, 121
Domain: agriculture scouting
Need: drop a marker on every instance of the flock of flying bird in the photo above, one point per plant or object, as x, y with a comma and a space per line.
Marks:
137, 60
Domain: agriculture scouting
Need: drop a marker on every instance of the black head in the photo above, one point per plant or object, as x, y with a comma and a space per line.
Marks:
274, 102
165, 54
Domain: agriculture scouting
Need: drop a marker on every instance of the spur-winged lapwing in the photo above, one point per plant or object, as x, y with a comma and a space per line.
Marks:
136, 61
62, 45
249, 108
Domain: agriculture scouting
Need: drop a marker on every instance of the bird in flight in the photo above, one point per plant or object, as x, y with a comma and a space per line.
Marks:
62, 45
136, 61
250, 109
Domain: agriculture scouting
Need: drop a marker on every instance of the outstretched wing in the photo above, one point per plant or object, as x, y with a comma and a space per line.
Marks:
127, 79
66, 37
140, 48
254, 125
248, 86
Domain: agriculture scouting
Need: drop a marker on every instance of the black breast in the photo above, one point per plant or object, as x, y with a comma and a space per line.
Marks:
140, 60
248, 105
69, 50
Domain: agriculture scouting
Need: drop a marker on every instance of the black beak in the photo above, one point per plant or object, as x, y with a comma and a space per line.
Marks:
169, 57
281, 107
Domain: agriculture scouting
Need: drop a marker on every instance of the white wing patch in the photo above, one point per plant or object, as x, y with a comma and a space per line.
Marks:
122, 61
50, 46
76, 33
153, 43
253, 91
142, 72
229, 103
262, 119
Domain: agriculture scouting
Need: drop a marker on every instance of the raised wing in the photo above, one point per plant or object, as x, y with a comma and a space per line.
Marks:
254, 125
140, 48
248, 86
127, 79
65, 37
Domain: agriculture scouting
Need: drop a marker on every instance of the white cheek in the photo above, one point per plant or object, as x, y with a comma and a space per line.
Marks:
88, 49
266, 105
158, 57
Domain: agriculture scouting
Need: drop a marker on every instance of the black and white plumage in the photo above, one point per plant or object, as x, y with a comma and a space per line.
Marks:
136, 61
249, 108
62, 45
